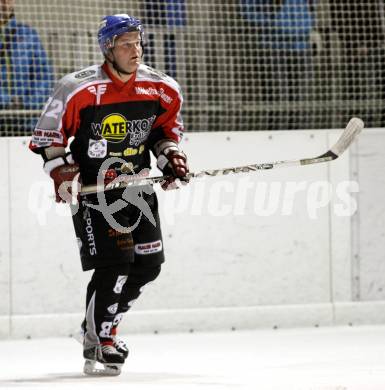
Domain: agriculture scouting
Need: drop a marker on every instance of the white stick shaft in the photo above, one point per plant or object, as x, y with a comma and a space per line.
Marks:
352, 129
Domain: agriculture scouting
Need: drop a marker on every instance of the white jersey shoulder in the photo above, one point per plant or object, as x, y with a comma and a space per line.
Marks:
67, 87
72, 83
146, 73
86, 76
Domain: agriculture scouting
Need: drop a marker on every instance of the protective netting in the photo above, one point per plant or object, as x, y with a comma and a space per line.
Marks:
242, 65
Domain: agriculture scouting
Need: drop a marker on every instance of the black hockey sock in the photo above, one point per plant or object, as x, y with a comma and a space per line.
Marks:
103, 294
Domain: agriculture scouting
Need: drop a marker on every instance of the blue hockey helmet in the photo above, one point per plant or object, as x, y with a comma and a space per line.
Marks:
114, 25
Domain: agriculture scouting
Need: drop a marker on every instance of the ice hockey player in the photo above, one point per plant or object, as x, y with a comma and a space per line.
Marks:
120, 110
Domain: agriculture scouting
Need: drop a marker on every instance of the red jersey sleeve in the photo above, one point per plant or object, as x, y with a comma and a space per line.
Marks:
170, 122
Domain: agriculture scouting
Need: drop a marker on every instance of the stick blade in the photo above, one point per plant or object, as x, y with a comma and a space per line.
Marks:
353, 128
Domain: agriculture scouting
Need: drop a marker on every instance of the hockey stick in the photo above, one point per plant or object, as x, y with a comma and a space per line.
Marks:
352, 129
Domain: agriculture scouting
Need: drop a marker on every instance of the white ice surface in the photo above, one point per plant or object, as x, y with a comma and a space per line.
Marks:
345, 358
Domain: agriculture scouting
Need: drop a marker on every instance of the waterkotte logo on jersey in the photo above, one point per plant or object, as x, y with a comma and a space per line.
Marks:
113, 128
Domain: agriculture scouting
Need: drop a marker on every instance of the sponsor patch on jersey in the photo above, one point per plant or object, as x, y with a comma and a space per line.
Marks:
133, 151
115, 128
115, 154
84, 74
97, 148
148, 247
46, 137
154, 92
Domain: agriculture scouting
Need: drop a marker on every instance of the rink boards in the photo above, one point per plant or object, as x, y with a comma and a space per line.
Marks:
257, 250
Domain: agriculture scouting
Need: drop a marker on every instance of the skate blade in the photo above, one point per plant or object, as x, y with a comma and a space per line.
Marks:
108, 369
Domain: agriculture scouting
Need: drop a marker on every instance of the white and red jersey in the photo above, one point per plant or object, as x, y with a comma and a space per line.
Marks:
110, 118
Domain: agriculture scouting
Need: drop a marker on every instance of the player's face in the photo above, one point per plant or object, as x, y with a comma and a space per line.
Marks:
128, 51
6, 10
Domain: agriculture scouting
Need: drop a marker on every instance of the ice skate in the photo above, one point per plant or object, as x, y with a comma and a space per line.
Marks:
107, 356
119, 344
